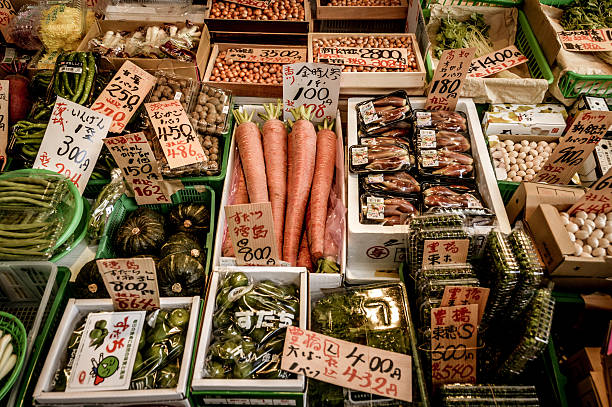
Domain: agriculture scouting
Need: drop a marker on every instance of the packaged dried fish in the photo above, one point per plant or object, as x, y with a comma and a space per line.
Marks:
387, 210
441, 120
384, 110
380, 158
396, 183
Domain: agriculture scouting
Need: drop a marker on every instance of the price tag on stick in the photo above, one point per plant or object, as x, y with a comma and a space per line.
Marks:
72, 141
124, 93
496, 61
579, 141
346, 364
251, 229
274, 56
445, 251
598, 199
176, 135
315, 86
448, 79
4, 123
462, 295
593, 40
131, 283
7, 12
454, 332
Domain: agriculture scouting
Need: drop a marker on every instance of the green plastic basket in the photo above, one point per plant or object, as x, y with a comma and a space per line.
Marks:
126, 205
78, 235
526, 43
9, 324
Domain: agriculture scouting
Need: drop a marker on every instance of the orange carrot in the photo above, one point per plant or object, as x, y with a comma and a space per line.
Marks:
302, 154
239, 197
303, 259
321, 186
275, 155
248, 139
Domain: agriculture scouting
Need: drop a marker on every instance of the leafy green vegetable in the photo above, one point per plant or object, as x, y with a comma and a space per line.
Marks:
464, 34
587, 14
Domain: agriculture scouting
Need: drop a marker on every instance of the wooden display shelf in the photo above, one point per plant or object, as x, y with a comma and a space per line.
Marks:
326, 12
371, 83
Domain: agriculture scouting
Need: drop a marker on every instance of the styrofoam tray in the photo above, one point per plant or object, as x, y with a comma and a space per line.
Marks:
375, 247
297, 275
76, 309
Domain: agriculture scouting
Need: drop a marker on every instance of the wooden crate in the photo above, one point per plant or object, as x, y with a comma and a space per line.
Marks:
243, 88
325, 12
259, 26
371, 83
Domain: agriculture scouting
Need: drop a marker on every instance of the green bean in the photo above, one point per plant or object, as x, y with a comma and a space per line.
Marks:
23, 194
17, 200
91, 72
64, 75
31, 243
6, 256
12, 251
38, 234
79, 88
51, 179
23, 226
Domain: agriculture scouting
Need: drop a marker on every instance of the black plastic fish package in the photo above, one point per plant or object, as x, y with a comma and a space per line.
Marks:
383, 111
380, 158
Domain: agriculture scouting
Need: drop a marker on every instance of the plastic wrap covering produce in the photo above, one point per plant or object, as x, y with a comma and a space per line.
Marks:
210, 110
531, 273
244, 345
446, 197
380, 158
441, 120
24, 28
387, 210
160, 350
348, 314
395, 183
74, 77
501, 275
103, 206
378, 113
63, 24
485, 395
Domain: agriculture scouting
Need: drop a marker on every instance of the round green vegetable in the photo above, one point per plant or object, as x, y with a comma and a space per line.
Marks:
189, 217
242, 370
141, 234
215, 370
183, 242
89, 282
168, 377
178, 318
238, 280
180, 275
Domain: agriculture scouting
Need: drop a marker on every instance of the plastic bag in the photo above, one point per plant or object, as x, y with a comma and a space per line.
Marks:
23, 28
103, 207
249, 326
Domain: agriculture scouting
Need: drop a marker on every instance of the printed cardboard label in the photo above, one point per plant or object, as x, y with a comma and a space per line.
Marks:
70, 67
131, 283
448, 79
347, 364
395, 58
428, 138
107, 351
496, 62
593, 40
72, 141
251, 228
445, 251
598, 199
267, 55
463, 295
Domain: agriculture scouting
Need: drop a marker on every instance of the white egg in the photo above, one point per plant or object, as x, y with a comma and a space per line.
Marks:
553, 145
544, 155
533, 144
512, 160
547, 149
497, 154
507, 160
509, 142
599, 252
580, 242
600, 223
607, 228
593, 242
517, 147
603, 242
529, 159
521, 173
511, 174
564, 214
571, 227
529, 164
587, 228
579, 221
590, 222
524, 143
513, 154
514, 167
609, 216
542, 143
609, 237
530, 171
581, 234
597, 234
587, 249
586, 255
582, 214
509, 148
529, 177
533, 153
525, 150
518, 178
565, 220
592, 216
600, 217
540, 149
609, 250
577, 250
522, 156
537, 168
522, 167
572, 237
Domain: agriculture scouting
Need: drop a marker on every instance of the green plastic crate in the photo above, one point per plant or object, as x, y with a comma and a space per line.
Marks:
526, 43
506, 189
126, 205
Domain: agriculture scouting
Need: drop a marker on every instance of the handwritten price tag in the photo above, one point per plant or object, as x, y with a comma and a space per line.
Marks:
586, 40
377, 57
497, 61
251, 229
461, 295
274, 56
445, 251
134, 156
315, 86
7, 12
262, 4
177, 137
131, 283
72, 141
579, 141
123, 94
448, 79
346, 364
598, 199
151, 191
454, 332
4, 123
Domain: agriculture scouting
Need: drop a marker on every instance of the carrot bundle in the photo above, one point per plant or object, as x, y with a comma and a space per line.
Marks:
250, 148
240, 196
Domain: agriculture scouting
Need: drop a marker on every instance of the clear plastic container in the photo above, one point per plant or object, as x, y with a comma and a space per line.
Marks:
63, 23
211, 109
172, 87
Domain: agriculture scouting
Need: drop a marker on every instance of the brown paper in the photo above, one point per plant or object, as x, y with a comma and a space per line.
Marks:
503, 22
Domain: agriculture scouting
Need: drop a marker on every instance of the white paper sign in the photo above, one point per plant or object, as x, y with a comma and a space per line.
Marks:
72, 141
316, 86
107, 351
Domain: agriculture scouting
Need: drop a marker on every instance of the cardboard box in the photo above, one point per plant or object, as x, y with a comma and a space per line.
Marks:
603, 156
194, 70
524, 123
526, 108
327, 12
208, 391
580, 364
77, 309
543, 29
530, 194
592, 391
557, 250
374, 249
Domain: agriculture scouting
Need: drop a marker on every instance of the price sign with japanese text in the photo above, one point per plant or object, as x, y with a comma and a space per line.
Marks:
454, 332
598, 199
152, 191
72, 141
593, 40
448, 79
176, 135
7, 12
131, 283
575, 146
4, 124
268, 55
134, 156
107, 351
262, 4
496, 61
445, 251
378, 57
124, 93
251, 229
462, 295
315, 86
346, 364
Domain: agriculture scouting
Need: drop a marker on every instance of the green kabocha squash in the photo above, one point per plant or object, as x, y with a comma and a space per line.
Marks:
89, 283
180, 275
141, 234
183, 242
142, 210
189, 217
